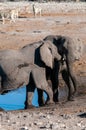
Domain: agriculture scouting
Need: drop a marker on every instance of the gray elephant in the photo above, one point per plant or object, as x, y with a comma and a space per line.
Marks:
69, 51
15, 72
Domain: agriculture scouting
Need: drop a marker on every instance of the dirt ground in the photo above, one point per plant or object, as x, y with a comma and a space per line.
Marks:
28, 29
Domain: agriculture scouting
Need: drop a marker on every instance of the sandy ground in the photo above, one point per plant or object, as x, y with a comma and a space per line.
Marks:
67, 19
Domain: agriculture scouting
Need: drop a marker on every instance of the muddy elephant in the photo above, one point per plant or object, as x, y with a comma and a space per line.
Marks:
69, 51
15, 72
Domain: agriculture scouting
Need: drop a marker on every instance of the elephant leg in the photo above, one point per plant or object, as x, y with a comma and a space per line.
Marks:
40, 81
29, 93
28, 102
41, 101
55, 80
66, 79
72, 79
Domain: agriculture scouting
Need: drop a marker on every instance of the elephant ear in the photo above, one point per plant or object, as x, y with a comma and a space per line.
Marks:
46, 55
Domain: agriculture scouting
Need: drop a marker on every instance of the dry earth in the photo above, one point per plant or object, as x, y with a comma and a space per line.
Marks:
67, 19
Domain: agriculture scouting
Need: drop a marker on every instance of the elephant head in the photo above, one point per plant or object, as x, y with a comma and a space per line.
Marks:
49, 52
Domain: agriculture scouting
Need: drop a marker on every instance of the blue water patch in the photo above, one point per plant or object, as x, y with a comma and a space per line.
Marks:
15, 100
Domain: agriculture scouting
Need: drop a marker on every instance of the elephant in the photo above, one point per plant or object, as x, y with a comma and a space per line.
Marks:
15, 72
69, 52
23, 66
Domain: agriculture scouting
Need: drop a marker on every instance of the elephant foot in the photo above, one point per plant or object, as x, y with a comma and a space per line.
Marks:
41, 104
57, 102
71, 98
49, 105
29, 107
75, 94
49, 102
